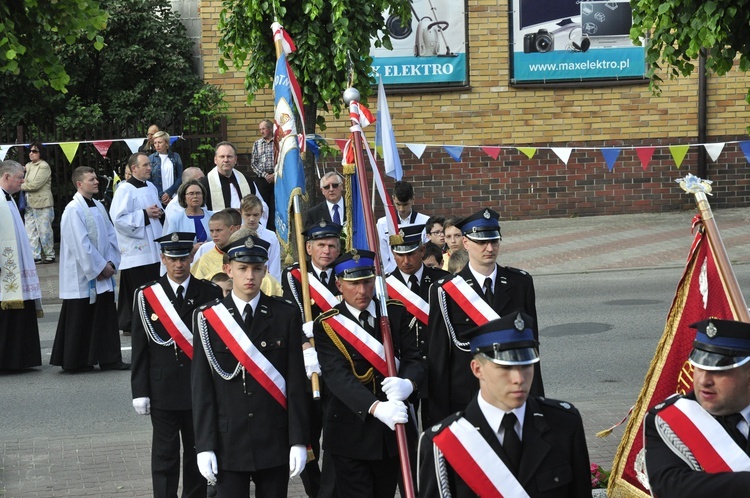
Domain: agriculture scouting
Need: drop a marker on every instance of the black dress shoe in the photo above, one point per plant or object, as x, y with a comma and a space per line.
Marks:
210, 490
120, 365
86, 368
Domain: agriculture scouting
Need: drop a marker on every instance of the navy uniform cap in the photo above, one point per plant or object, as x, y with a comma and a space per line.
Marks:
482, 225
411, 239
176, 244
323, 230
720, 344
506, 341
357, 264
248, 249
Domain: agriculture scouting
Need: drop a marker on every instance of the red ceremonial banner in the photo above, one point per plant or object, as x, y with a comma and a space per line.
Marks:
700, 294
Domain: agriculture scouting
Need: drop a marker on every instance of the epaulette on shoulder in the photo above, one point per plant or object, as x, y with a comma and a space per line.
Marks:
446, 422
147, 285
558, 404
394, 302
209, 304
208, 283
445, 279
328, 314
281, 299
667, 402
518, 271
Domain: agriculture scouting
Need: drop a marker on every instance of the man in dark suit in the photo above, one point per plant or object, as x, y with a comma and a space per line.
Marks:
410, 283
162, 358
456, 306
715, 415
323, 246
332, 209
506, 442
249, 383
366, 403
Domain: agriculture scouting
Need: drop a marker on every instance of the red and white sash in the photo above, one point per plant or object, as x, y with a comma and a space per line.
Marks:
704, 436
358, 338
170, 319
476, 462
322, 296
245, 351
469, 301
417, 306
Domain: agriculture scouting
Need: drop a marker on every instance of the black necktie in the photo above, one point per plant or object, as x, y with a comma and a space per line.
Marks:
488, 294
324, 277
180, 298
336, 216
730, 424
511, 441
414, 284
364, 319
248, 317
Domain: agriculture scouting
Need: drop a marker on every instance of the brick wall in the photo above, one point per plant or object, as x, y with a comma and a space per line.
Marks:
493, 113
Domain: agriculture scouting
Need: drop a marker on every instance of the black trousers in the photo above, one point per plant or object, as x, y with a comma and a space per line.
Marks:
365, 478
169, 426
130, 280
269, 483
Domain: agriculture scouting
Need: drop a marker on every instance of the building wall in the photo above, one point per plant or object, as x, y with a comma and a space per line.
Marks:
492, 113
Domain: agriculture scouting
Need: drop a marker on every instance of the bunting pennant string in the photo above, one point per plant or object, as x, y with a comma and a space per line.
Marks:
70, 149
563, 153
610, 156
528, 151
645, 154
103, 146
454, 151
493, 152
678, 153
417, 149
714, 150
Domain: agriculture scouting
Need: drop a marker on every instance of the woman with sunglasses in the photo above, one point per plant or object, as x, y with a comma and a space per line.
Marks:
39, 213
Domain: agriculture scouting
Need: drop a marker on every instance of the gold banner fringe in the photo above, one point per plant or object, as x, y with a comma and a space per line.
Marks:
287, 248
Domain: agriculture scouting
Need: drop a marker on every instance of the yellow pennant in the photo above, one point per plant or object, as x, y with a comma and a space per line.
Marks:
70, 149
529, 151
678, 153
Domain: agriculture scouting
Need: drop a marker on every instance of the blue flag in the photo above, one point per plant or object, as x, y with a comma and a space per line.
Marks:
290, 175
357, 230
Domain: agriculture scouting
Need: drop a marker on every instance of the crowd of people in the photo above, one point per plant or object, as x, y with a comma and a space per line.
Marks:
245, 366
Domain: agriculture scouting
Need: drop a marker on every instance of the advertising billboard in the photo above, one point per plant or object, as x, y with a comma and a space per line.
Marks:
429, 51
573, 40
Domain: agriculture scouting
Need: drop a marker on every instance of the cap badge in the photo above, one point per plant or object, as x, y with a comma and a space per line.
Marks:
518, 323
487, 214
356, 257
322, 224
711, 330
175, 237
249, 243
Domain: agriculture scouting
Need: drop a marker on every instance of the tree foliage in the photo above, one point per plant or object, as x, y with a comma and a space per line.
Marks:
332, 39
34, 32
143, 72
678, 31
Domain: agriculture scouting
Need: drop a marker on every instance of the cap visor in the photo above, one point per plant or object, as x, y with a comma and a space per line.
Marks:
181, 253
358, 274
404, 248
248, 258
484, 235
510, 357
716, 361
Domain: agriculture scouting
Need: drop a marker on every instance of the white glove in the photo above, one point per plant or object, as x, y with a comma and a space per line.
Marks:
311, 362
142, 406
391, 413
207, 465
396, 388
297, 459
307, 329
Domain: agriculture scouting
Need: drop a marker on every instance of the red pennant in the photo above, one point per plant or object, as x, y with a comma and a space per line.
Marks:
341, 142
645, 153
103, 146
493, 152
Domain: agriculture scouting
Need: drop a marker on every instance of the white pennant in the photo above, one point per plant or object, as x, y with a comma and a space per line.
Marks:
714, 150
417, 149
563, 153
3, 151
133, 144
